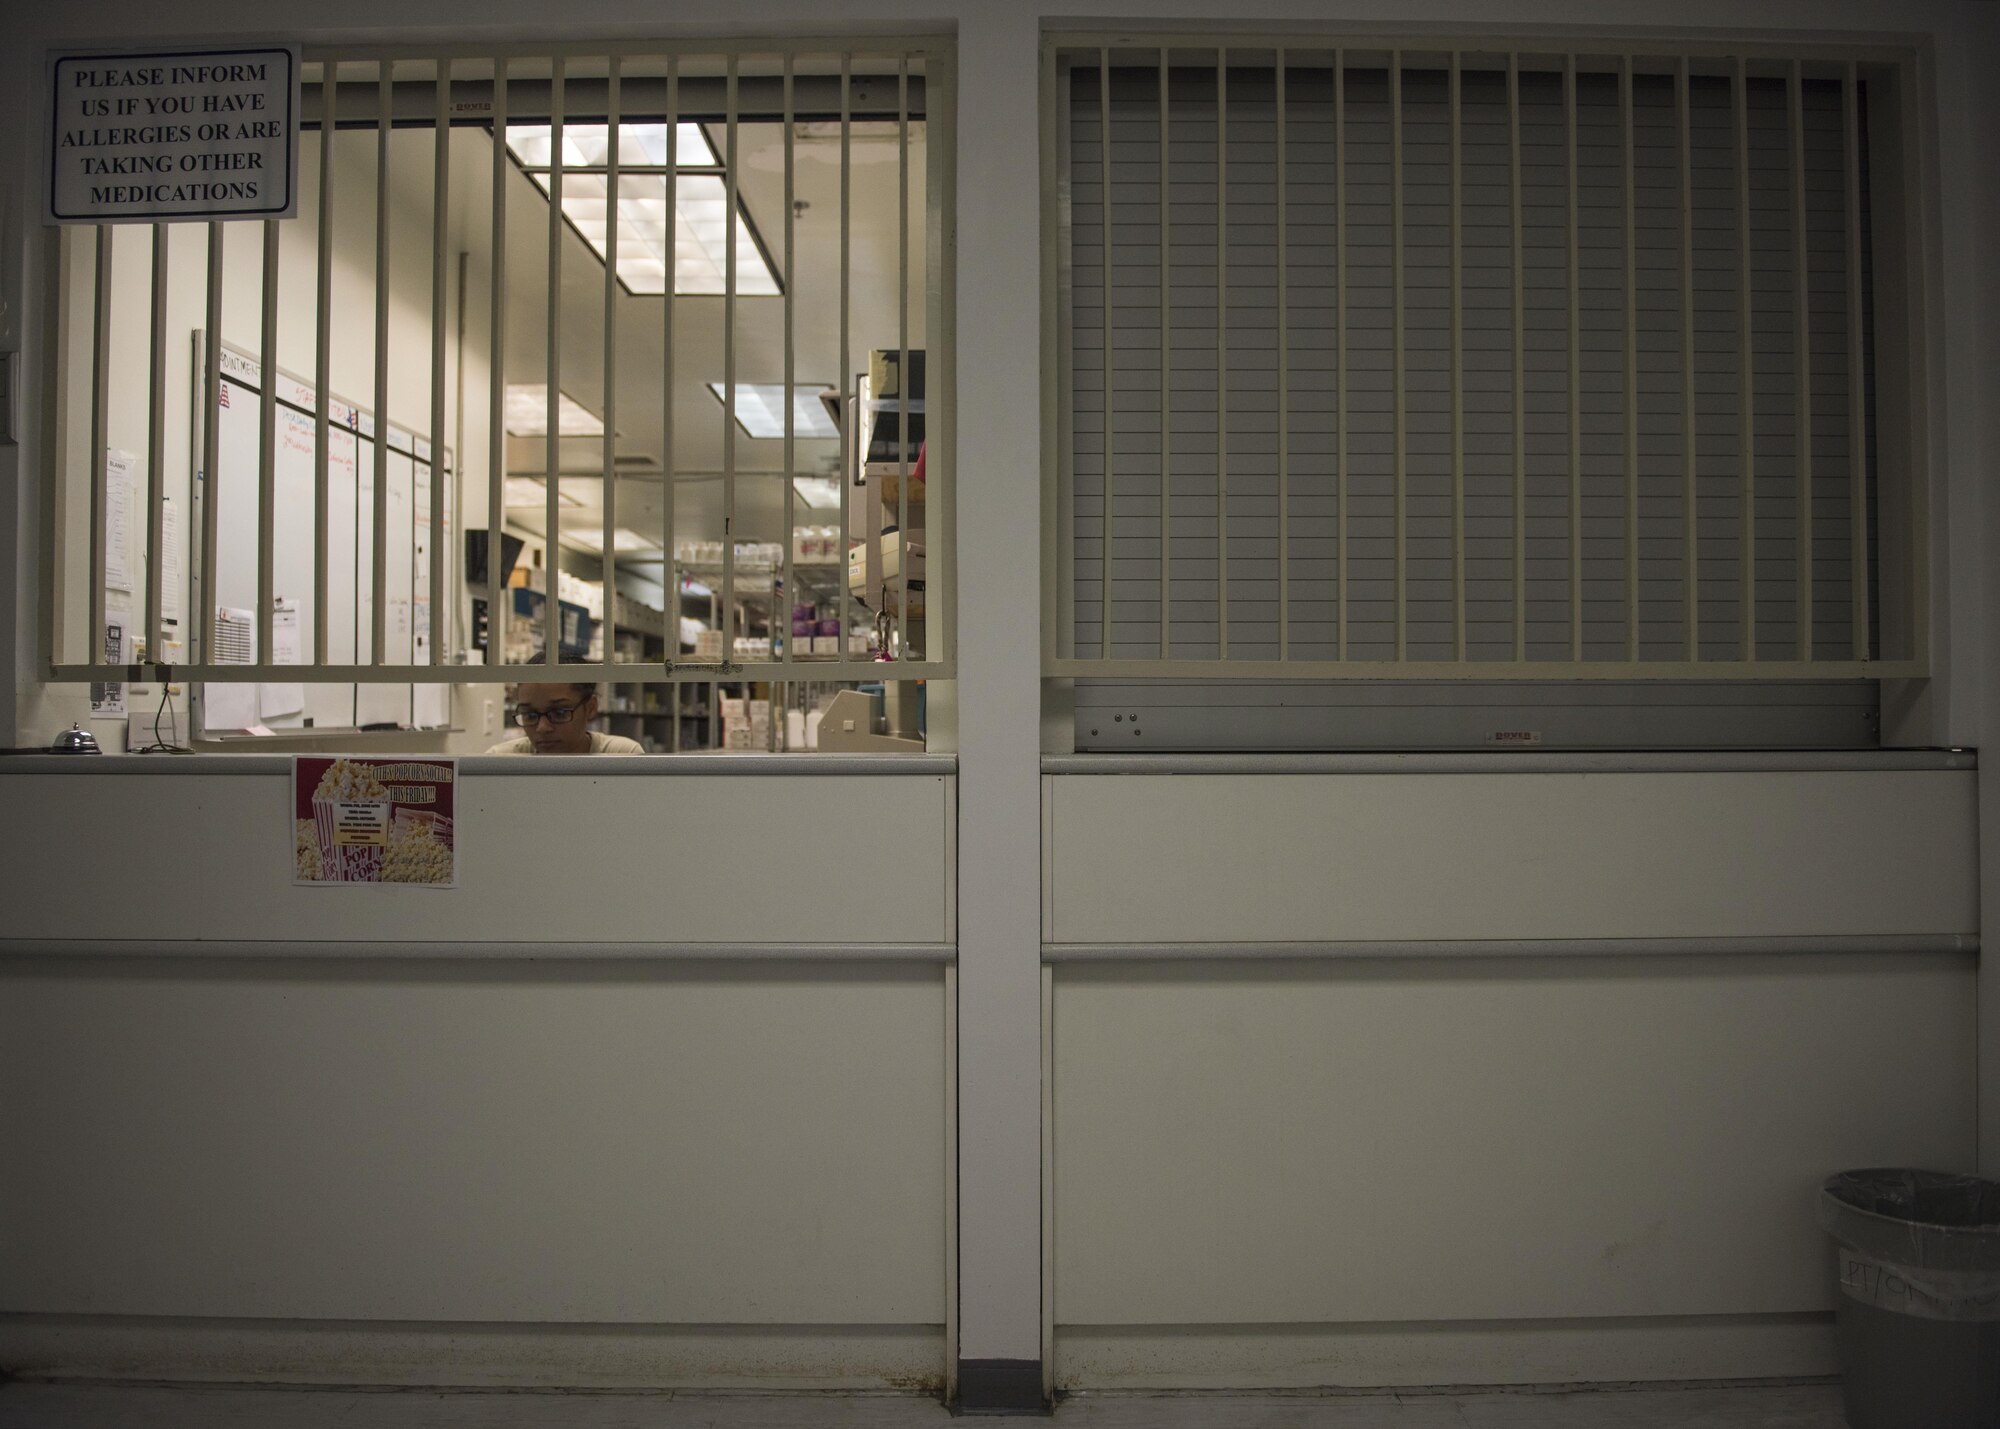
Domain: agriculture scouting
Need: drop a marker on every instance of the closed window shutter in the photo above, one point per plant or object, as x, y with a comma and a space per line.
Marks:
1535, 495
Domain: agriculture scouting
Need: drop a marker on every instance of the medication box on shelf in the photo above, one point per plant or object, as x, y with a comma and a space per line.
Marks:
892, 559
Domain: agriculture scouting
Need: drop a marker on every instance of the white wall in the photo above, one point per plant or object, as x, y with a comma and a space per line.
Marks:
598, 1143
1532, 1139
1406, 1163
642, 858
1277, 858
660, 1088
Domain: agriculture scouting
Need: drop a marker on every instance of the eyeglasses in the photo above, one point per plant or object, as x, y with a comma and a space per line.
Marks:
555, 715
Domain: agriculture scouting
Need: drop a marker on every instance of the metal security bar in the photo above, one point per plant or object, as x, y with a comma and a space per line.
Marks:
763, 216
1475, 362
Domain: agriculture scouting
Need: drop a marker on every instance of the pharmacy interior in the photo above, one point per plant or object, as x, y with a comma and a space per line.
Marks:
660, 321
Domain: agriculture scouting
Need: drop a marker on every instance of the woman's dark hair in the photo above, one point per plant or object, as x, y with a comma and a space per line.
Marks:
585, 688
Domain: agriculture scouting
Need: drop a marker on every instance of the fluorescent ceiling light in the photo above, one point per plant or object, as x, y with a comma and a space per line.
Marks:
700, 237
822, 493
701, 234
528, 413
588, 146
531, 493
760, 409
593, 540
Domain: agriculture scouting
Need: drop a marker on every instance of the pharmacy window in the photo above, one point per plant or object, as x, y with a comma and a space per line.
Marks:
622, 367
1449, 398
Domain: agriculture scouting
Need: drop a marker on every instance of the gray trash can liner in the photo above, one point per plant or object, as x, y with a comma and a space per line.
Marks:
1923, 1243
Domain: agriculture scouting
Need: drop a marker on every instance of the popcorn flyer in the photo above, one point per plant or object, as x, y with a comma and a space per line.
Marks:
373, 820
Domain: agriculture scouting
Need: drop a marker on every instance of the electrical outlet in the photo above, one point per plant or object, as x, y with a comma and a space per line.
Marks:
491, 715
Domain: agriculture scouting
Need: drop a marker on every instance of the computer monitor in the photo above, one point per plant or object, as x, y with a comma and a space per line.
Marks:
475, 557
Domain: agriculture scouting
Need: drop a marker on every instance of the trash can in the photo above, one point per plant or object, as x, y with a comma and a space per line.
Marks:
1919, 1317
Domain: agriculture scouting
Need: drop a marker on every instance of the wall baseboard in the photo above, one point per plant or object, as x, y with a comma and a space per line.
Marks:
1001, 1387
1454, 1353
908, 1358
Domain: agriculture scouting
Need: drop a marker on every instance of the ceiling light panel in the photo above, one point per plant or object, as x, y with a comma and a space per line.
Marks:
530, 493
588, 146
760, 409
528, 413
700, 235
629, 542
701, 243
821, 493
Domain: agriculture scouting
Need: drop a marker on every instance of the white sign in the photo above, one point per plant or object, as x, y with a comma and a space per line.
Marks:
118, 493
145, 138
170, 567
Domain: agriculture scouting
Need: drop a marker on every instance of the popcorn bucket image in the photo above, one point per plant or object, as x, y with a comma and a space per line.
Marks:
411, 824
351, 810
419, 848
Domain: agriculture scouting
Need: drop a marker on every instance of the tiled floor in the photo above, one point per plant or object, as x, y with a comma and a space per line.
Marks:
84, 1406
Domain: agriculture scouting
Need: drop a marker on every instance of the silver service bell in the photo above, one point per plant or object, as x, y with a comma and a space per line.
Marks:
75, 740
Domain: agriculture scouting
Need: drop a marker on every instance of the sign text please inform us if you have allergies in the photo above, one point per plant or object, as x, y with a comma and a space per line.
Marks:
145, 138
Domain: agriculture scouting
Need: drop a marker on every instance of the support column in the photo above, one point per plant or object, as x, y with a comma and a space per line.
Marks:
19, 513
999, 894
1984, 440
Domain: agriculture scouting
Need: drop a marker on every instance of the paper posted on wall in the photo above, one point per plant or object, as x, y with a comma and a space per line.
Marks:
284, 698
374, 820
170, 561
118, 519
231, 706
109, 699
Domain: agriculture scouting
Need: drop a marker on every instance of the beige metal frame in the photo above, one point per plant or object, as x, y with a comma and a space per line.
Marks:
1899, 476
934, 57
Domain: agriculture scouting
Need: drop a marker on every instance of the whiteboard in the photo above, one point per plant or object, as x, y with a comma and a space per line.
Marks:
350, 542
386, 704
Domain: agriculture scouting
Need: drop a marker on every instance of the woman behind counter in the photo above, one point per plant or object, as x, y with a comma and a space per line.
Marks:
557, 720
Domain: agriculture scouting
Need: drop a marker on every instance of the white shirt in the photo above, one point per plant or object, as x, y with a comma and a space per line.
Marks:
599, 744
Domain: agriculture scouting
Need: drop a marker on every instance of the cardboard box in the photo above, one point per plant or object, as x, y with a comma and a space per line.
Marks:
893, 547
